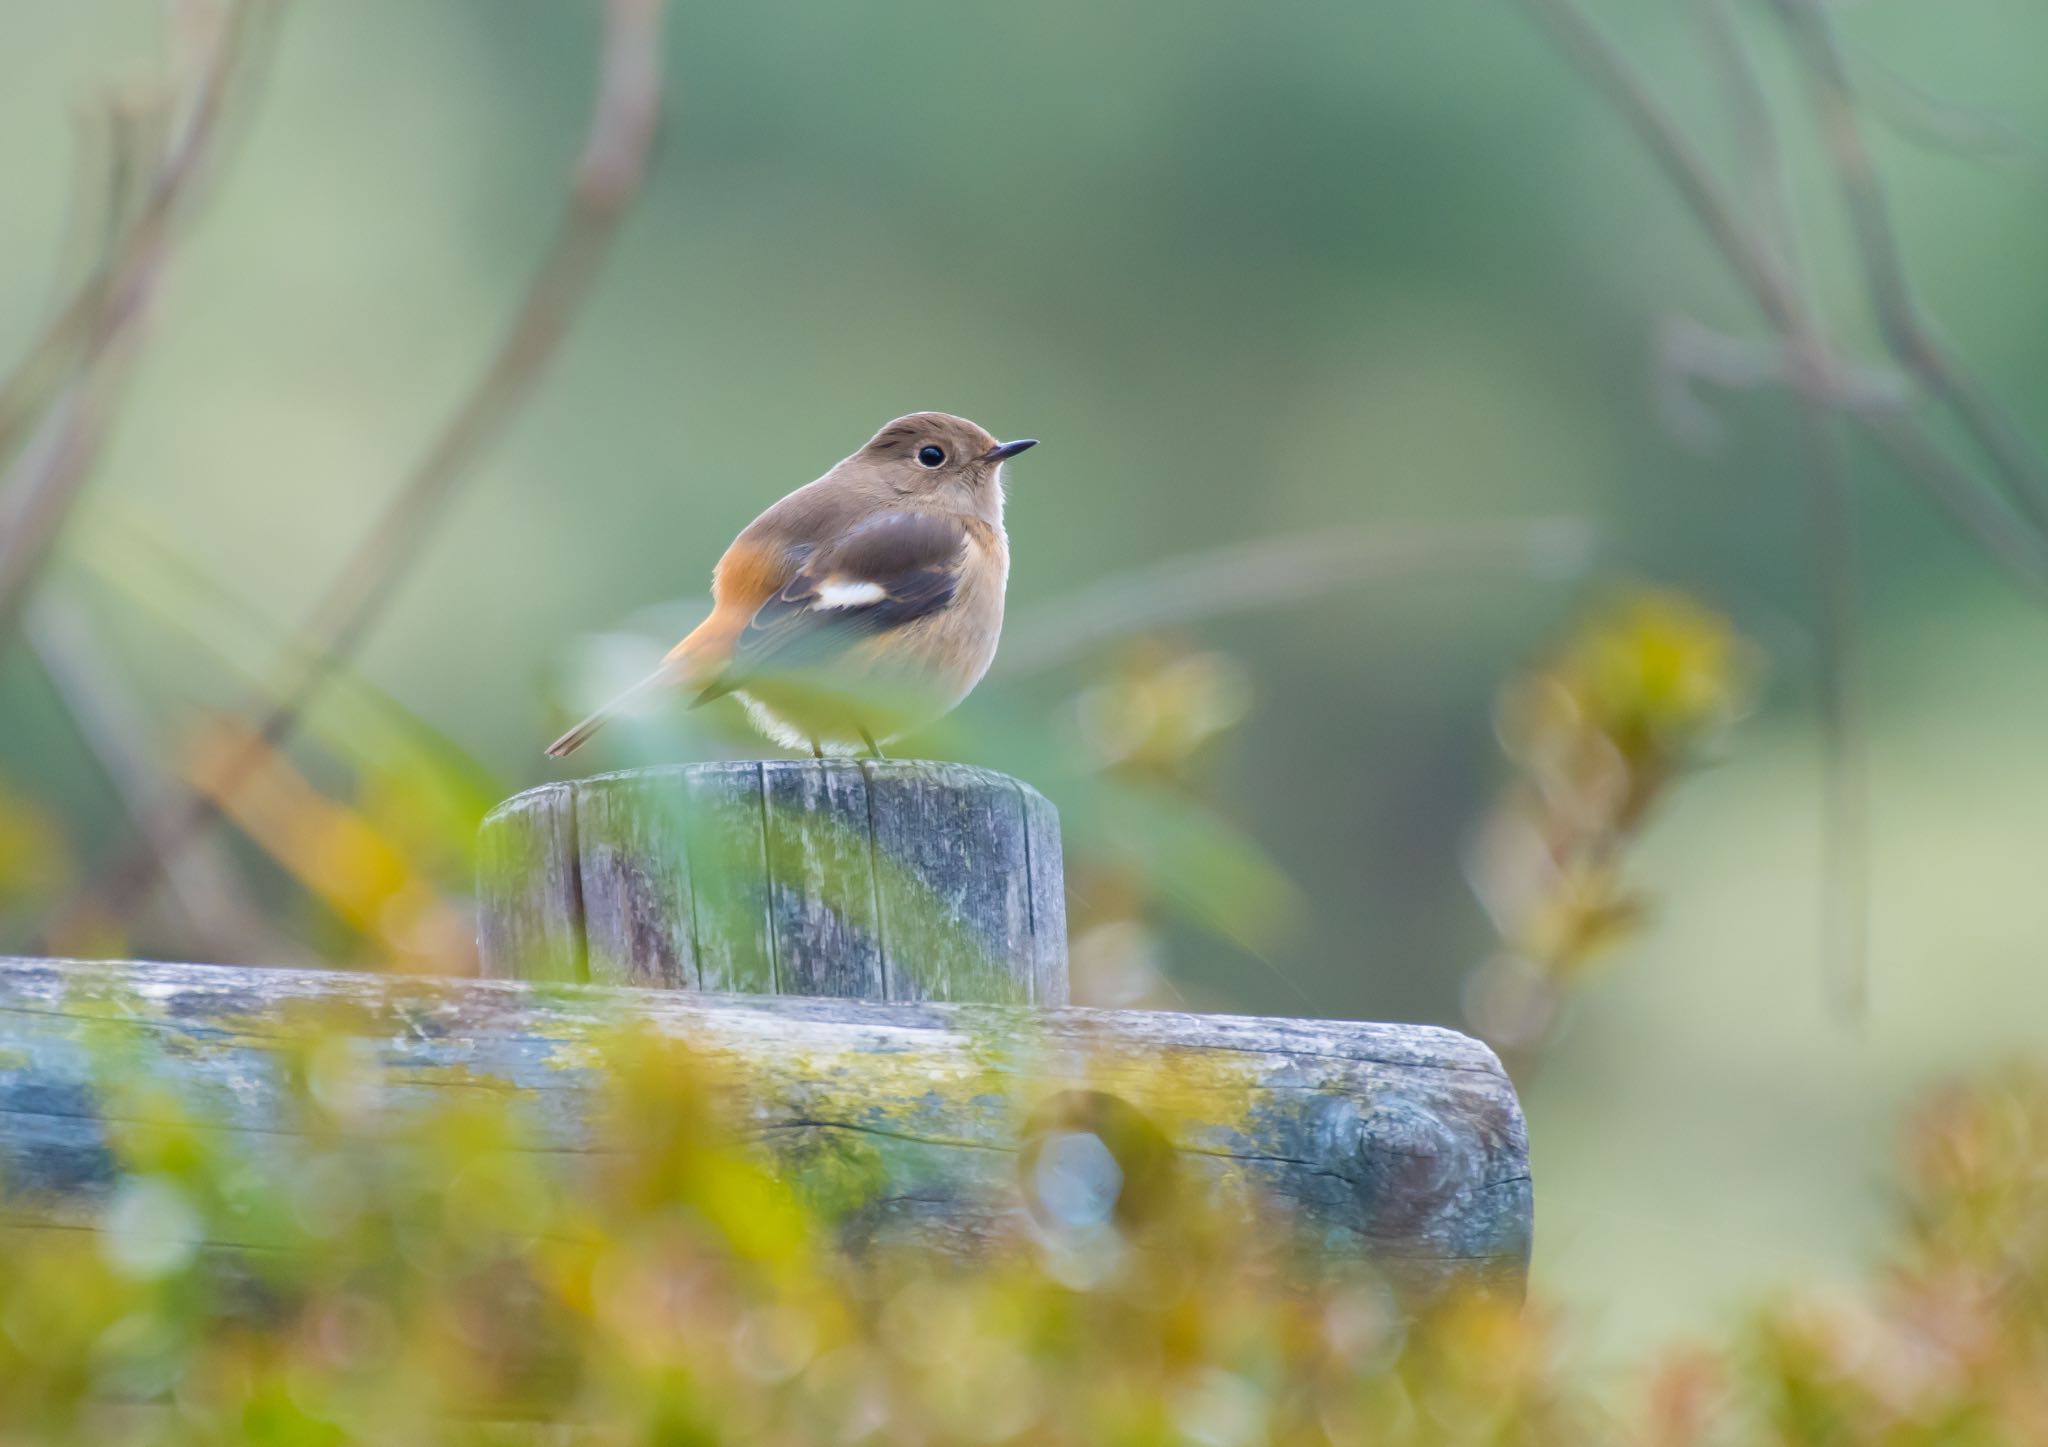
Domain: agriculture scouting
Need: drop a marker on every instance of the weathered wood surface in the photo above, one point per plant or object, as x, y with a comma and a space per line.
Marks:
1402, 1145
860, 879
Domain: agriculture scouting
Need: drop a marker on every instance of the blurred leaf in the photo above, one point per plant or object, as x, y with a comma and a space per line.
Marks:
356, 721
341, 855
35, 857
428, 1276
1201, 866
1599, 731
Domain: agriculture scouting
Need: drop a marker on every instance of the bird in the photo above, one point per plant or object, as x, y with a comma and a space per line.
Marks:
860, 607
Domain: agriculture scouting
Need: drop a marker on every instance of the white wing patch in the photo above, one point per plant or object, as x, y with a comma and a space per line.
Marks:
849, 595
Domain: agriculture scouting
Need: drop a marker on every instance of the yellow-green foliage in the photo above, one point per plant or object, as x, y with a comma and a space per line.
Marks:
428, 1282
1598, 731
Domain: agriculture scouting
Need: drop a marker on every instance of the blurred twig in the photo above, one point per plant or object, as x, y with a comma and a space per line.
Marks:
53, 430
607, 178
1687, 352
1845, 844
1271, 572
1984, 514
1760, 246
1977, 509
1905, 329
1936, 121
1749, 107
1603, 63
120, 141
1817, 386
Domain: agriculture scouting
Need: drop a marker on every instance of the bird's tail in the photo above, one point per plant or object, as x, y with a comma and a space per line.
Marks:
689, 661
577, 737
623, 705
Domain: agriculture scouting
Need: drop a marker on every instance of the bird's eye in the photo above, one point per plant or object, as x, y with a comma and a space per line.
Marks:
929, 456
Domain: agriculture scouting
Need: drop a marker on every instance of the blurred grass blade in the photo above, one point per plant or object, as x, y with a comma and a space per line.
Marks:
339, 854
1277, 572
358, 723
220, 922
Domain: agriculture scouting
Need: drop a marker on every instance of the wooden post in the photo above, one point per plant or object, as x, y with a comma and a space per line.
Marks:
973, 1124
1397, 1145
866, 880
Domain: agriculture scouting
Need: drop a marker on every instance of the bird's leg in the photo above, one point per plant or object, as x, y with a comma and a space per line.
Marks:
817, 749
874, 749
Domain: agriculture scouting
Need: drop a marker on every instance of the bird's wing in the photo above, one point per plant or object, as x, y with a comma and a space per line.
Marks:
881, 574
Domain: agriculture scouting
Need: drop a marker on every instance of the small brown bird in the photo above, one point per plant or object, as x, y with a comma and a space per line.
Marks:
861, 606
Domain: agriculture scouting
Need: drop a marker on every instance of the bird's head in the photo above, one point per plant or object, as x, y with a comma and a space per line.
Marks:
931, 453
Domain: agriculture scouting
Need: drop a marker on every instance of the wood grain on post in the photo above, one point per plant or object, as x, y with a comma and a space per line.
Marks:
1397, 1145
864, 880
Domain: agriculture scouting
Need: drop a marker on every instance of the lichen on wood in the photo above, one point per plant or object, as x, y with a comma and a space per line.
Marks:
1398, 1146
858, 879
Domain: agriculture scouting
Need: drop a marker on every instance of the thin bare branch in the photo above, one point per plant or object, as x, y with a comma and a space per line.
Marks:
119, 142
619, 141
98, 331
621, 138
1763, 256
1712, 206
1940, 123
1763, 252
1845, 848
1750, 256
1983, 516
1905, 328
1877, 398
1818, 386
1756, 131
1689, 351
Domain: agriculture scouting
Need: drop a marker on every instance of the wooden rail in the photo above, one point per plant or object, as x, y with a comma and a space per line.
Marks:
1399, 1144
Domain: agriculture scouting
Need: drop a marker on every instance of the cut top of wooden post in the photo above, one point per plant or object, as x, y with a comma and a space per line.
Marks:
877, 880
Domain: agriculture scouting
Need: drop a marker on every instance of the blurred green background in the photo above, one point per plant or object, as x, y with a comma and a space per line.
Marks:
1248, 271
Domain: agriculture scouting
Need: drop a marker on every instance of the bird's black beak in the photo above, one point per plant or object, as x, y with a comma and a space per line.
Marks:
1004, 451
